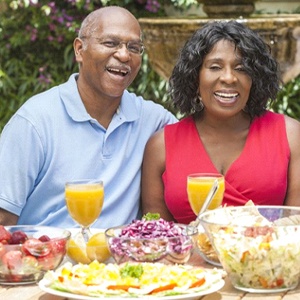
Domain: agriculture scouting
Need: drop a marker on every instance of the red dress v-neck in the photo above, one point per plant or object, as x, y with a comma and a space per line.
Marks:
259, 173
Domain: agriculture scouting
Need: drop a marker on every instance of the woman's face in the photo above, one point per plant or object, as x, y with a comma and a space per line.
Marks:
223, 83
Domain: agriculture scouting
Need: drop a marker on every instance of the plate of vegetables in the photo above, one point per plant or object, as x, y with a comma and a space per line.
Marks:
131, 281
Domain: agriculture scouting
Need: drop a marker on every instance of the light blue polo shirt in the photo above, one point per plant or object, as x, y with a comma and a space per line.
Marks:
51, 139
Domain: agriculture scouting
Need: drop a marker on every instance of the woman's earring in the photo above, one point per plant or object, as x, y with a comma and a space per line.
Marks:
197, 103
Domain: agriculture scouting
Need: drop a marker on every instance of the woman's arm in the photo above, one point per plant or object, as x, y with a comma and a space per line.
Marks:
293, 134
152, 184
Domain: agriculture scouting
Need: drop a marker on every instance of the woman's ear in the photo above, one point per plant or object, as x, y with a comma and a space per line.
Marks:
78, 46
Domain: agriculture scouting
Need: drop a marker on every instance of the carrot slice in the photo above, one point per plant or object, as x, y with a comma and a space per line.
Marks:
164, 288
122, 287
198, 283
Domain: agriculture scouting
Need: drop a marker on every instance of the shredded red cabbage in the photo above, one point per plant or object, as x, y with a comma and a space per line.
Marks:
144, 240
151, 229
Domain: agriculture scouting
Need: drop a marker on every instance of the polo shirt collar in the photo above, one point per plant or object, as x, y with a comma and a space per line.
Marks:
70, 96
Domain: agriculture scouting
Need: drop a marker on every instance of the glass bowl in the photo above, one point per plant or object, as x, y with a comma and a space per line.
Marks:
206, 249
176, 249
258, 246
27, 252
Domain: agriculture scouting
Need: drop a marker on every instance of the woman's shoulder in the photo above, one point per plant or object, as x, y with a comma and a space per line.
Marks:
289, 122
182, 124
269, 119
292, 129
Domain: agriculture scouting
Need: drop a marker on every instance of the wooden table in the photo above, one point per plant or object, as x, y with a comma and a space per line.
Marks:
228, 292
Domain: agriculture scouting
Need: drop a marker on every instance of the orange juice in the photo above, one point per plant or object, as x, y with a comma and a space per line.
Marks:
199, 185
84, 202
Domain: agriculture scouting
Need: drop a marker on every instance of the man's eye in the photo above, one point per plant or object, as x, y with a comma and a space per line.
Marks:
135, 48
110, 44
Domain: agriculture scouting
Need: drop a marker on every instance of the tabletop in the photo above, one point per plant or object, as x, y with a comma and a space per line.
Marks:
228, 292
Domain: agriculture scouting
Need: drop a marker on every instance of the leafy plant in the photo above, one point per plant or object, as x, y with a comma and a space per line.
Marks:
288, 99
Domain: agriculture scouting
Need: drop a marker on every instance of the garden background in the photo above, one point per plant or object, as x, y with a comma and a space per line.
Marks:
36, 51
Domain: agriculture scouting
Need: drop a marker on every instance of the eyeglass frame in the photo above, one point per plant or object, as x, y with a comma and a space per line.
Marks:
118, 45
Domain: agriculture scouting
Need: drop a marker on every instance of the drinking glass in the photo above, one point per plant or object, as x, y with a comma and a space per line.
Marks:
199, 185
84, 199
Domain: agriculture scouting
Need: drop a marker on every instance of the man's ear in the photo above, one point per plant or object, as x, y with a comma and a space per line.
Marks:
78, 48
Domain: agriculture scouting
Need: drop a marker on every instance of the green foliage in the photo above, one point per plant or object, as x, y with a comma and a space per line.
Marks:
288, 99
36, 48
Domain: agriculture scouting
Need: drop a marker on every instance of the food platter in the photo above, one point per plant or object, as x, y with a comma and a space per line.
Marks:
213, 288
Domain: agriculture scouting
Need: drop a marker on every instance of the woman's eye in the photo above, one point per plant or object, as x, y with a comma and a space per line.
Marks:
214, 67
240, 69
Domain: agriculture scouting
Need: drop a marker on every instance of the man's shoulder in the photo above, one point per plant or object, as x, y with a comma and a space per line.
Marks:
147, 105
52, 94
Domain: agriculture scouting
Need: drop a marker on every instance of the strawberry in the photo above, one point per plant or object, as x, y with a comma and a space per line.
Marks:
36, 248
58, 246
13, 260
2, 250
18, 237
44, 238
47, 262
5, 235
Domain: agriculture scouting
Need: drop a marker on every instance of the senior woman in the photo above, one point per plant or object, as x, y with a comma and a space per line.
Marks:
222, 84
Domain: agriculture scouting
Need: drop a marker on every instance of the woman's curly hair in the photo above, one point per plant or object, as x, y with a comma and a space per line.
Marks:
256, 59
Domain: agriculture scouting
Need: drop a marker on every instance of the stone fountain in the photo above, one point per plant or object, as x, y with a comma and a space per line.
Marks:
164, 37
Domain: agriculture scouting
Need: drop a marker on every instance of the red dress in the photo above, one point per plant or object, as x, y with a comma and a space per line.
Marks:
259, 173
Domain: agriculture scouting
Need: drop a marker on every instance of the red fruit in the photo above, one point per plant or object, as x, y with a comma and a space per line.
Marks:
36, 248
2, 250
5, 235
13, 260
58, 246
44, 238
18, 237
47, 262
13, 277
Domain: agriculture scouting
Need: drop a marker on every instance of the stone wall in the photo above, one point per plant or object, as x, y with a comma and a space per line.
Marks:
262, 6
275, 6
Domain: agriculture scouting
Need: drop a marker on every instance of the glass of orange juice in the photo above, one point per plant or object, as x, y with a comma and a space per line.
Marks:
84, 199
199, 185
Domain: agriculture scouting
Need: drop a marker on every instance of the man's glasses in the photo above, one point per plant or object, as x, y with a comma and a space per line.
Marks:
133, 47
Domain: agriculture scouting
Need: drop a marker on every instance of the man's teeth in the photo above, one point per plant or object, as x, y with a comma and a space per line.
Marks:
226, 95
118, 71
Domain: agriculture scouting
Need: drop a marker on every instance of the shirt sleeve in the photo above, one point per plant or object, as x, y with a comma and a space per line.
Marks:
21, 154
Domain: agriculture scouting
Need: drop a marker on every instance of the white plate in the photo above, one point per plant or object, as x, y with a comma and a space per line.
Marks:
215, 287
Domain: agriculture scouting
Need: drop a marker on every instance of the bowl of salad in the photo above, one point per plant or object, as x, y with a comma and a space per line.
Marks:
151, 239
258, 246
206, 249
27, 252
